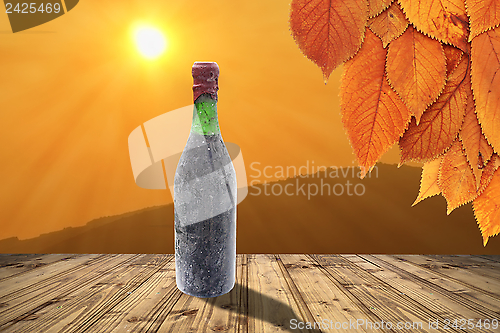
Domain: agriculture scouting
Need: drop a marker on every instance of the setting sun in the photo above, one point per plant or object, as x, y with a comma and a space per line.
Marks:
150, 42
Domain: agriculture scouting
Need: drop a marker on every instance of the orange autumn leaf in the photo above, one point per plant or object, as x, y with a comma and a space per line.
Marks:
429, 181
485, 72
488, 172
389, 24
441, 122
372, 113
453, 57
328, 32
416, 69
445, 20
483, 14
477, 148
456, 179
487, 209
376, 7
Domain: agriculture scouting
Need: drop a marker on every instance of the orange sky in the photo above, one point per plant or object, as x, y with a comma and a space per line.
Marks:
73, 89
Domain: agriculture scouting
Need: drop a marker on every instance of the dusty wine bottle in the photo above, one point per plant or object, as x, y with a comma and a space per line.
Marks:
205, 198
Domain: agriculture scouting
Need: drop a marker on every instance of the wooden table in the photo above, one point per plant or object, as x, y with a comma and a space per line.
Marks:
137, 293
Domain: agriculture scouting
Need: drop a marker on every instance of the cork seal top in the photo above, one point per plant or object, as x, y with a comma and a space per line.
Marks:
205, 79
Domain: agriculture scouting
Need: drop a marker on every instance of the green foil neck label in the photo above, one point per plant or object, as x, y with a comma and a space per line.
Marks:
205, 119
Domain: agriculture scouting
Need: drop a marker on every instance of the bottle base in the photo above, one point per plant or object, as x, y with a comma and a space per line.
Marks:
205, 295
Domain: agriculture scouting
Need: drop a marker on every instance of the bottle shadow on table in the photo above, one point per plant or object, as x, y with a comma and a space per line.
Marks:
253, 304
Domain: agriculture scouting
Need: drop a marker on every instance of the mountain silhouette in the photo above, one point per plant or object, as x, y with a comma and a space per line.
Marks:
373, 215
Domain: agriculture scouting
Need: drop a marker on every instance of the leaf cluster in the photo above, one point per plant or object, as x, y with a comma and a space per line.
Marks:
423, 74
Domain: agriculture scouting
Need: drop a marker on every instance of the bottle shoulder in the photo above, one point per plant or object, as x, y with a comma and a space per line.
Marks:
202, 155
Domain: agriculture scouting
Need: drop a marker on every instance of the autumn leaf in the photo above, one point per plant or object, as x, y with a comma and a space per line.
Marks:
453, 57
428, 182
416, 69
376, 7
373, 114
389, 24
445, 20
485, 72
487, 209
456, 179
477, 148
488, 172
328, 32
441, 122
483, 14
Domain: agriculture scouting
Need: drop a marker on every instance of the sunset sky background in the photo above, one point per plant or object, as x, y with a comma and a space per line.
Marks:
73, 89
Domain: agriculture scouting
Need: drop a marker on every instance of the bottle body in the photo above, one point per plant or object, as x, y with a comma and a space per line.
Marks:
205, 198
205, 218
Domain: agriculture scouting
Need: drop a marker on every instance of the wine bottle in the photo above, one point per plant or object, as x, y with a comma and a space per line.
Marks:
205, 198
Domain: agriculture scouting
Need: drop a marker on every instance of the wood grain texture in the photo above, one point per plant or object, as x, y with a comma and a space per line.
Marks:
19, 264
138, 293
380, 299
457, 291
325, 299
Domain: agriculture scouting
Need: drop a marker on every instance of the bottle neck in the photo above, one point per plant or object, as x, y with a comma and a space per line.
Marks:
205, 120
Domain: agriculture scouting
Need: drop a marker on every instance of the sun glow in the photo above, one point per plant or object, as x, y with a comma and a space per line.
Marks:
150, 41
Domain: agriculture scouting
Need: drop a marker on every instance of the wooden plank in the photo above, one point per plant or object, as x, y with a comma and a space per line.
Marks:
483, 305
223, 313
471, 276
120, 291
486, 266
13, 265
47, 272
328, 302
13, 258
49, 290
477, 258
271, 304
495, 258
146, 309
86, 308
442, 307
461, 280
242, 280
386, 303
305, 313
45, 293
